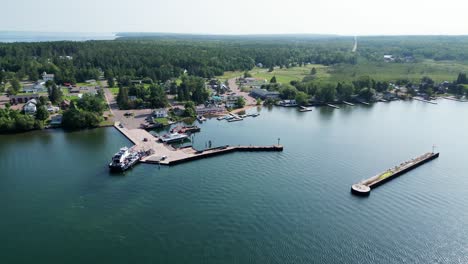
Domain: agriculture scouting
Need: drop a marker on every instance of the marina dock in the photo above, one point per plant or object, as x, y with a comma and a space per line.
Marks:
333, 106
454, 99
422, 100
167, 155
363, 188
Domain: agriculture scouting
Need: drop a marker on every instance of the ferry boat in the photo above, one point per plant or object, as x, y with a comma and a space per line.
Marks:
124, 159
173, 137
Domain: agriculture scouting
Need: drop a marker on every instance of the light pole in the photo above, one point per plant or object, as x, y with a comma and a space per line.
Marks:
278, 141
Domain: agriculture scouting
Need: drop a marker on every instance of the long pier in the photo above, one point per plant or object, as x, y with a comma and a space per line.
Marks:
363, 188
193, 154
333, 106
165, 154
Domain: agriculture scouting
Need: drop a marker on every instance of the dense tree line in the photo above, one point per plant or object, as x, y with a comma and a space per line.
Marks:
85, 113
161, 59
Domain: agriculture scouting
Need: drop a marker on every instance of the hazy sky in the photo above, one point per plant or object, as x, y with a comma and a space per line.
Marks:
359, 17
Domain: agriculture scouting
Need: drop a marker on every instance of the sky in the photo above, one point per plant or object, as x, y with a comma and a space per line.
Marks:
343, 17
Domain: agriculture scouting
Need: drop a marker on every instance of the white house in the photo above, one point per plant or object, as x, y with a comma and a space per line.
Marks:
160, 113
30, 107
37, 87
47, 77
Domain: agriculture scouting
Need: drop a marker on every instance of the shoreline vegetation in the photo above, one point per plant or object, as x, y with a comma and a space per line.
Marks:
183, 74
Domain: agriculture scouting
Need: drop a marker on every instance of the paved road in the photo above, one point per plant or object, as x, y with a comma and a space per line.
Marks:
138, 115
249, 100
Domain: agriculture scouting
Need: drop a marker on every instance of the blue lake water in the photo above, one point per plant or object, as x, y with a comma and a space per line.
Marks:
61, 205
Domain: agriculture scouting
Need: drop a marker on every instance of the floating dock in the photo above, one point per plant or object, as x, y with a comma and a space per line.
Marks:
333, 106
363, 188
425, 101
348, 103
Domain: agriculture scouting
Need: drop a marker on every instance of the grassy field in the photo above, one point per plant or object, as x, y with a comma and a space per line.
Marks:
114, 90
283, 76
86, 84
437, 70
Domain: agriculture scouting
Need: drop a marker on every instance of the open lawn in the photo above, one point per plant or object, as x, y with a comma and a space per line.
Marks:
439, 71
86, 84
286, 75
114, 91
161, 120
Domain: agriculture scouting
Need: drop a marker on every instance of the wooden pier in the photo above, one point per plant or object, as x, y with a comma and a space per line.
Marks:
167, 155
363, 188
333, 106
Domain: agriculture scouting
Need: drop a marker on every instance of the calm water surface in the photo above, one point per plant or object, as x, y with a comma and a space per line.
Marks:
60, 204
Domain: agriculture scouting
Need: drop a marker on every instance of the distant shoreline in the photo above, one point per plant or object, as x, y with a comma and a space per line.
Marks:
29, 36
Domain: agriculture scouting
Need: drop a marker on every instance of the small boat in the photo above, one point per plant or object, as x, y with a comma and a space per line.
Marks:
305, 109
201, 118
255, 115
173, 137
235, 119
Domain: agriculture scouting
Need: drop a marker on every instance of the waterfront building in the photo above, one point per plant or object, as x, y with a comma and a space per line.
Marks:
264, 94
30, 107
160, 113
47, 77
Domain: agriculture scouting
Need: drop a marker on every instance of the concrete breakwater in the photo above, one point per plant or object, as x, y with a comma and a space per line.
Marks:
364, 187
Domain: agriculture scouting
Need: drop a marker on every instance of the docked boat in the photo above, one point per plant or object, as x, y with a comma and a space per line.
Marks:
124, 159
254, 115
185, 129
201, 118
235, 119
305, 109
173, 137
